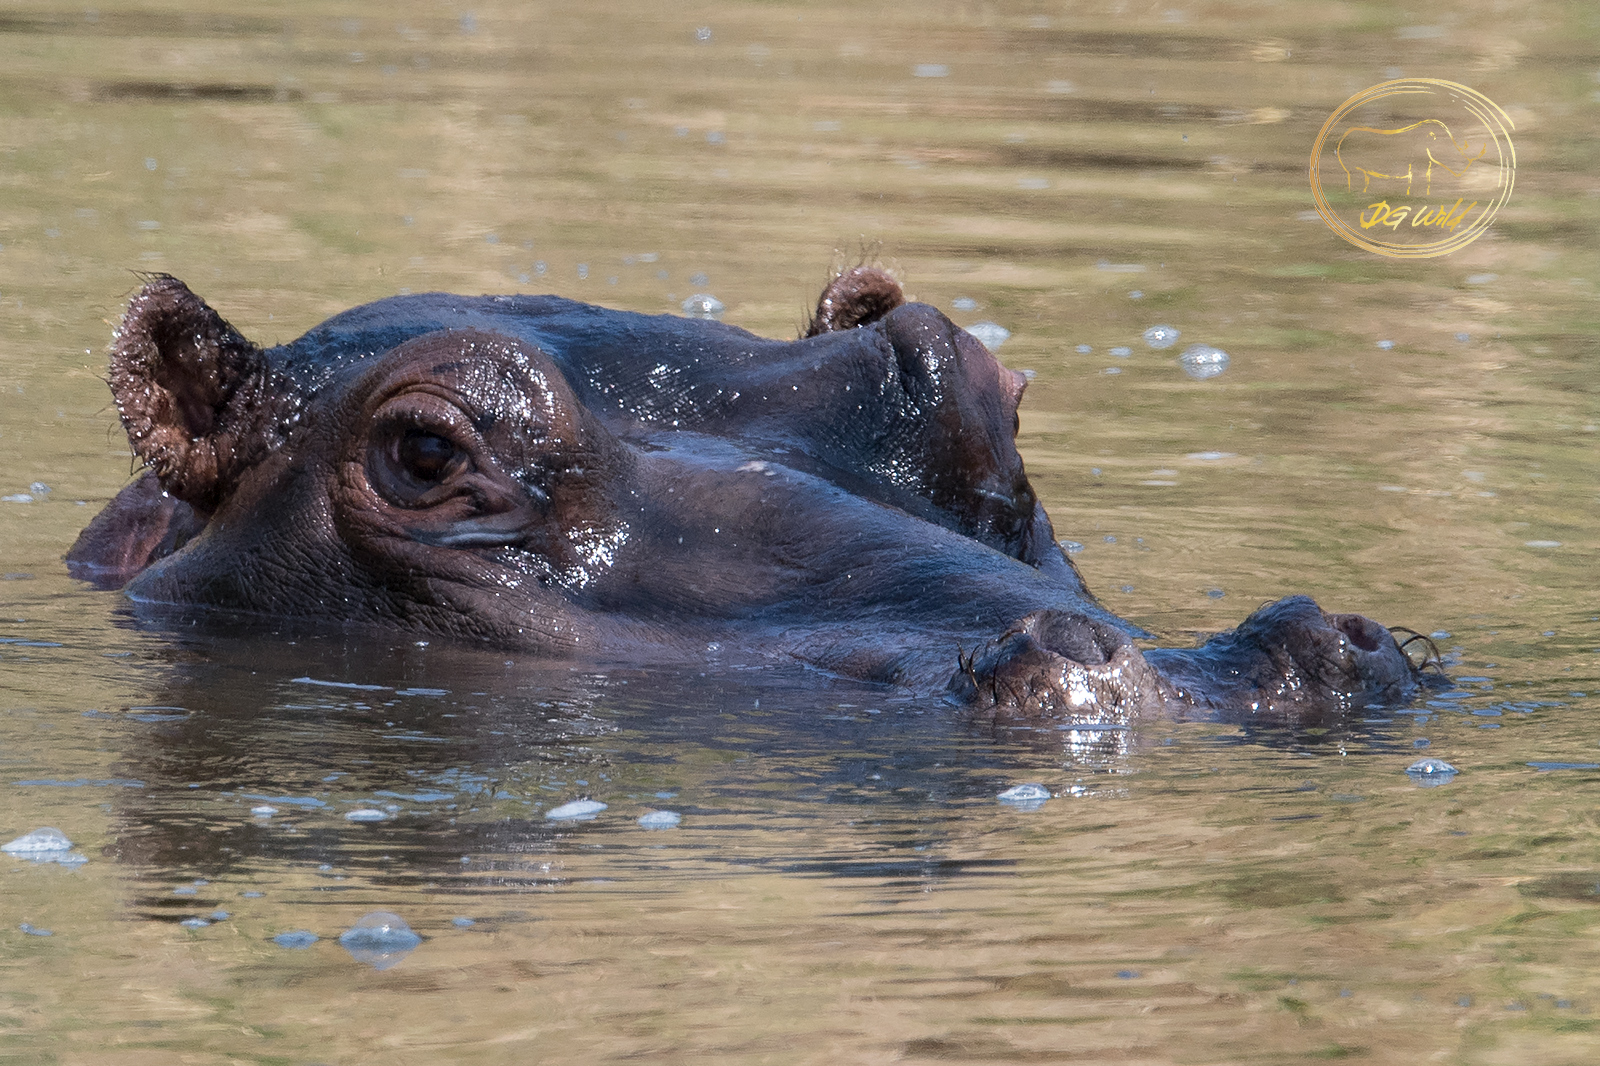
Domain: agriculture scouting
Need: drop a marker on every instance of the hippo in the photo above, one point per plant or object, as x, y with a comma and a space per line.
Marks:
611, 487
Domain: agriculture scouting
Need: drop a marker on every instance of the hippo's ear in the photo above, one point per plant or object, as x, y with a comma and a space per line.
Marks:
195, 396
857, 297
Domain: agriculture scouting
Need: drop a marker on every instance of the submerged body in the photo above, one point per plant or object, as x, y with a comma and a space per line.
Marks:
547, 475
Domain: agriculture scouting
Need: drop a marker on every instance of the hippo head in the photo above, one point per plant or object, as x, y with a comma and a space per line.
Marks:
540, 474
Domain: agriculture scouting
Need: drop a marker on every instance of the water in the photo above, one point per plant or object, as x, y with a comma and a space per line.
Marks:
843, 884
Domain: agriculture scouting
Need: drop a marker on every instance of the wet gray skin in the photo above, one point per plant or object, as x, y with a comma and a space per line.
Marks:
535, 473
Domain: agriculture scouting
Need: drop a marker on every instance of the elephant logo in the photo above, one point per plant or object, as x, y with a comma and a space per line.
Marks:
1417, 167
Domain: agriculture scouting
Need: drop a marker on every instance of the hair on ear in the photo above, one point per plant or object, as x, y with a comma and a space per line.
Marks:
856, 297
197, 399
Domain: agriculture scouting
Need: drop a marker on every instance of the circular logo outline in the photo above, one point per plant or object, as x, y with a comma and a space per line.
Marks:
1495, 121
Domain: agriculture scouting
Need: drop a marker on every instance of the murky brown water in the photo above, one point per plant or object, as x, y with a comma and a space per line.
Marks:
1411, 439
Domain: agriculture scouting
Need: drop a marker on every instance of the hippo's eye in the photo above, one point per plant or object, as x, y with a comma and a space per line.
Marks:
426, 456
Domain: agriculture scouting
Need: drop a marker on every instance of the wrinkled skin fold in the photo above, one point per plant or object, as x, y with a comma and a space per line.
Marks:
613, 487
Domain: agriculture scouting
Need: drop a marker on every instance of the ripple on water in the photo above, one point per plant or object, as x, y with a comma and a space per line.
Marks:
296, 939
1027, 797
577, 811
1201, 361
45, 844
703, 305
1162, 336
1431, 772
992, 334
380, 939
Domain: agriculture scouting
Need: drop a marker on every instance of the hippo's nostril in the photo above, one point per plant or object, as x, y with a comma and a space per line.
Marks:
1363, 632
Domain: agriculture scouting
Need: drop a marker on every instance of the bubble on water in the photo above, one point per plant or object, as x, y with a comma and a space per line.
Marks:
296, 939
1084, 349
33, 930
1127, 975
1026, 797
1071, 547
1385, 345
702, 34
992, 334
1463, 337
964, 303
380, 939
1159, 337
1421, 742
45, 839
660, 820
461, 921
195, 923
220, 916
365, 814
1112, 370
1201, 361
252, 894
39, 488
1136, 294
576, 811
264, 810
703, 305
1215, 594
185, 890
1431, 772
1541, 544
1121, 352
1210, 457
930, 70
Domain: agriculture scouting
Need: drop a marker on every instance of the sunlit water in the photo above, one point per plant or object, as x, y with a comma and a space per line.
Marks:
1119, 191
